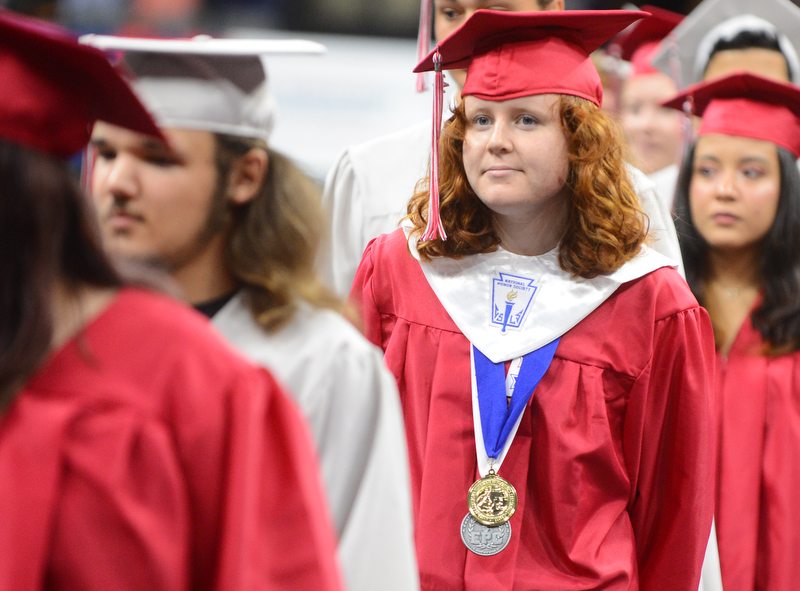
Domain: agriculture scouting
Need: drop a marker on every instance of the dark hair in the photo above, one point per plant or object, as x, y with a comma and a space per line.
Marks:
275, 236
48, 234
750, 40
778, 316
605, 225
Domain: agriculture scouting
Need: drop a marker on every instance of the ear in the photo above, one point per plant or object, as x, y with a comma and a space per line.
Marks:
247, 175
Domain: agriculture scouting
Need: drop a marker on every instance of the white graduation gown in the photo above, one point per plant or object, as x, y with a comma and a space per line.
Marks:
350, 400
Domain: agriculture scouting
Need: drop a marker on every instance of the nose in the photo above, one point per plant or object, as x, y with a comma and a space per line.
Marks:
117, 178
726, 185
499, 141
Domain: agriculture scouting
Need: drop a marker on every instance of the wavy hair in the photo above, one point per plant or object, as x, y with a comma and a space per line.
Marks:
274, 237
605, 225
777, 318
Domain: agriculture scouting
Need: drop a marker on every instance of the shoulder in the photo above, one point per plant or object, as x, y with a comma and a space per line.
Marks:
624, 332
382, 151
385, 168
149, 342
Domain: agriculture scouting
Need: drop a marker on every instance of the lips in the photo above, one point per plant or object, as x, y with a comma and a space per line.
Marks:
725, 219
500, 171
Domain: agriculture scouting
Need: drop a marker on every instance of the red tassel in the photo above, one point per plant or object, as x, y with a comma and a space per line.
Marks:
435, 229
87, 166
424, 38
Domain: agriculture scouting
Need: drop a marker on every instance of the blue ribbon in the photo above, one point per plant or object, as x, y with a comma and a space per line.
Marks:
498, 416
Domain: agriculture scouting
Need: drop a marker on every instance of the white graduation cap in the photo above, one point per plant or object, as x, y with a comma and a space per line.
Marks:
217, 85
713, 20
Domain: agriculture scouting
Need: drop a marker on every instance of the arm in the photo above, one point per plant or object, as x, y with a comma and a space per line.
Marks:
670, 453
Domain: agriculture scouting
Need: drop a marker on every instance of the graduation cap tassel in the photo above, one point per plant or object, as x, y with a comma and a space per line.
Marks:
424, 38
87, 166
435, 228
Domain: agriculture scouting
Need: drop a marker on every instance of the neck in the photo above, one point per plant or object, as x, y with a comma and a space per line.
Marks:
533, 235
734, 269
74, 307
206, 277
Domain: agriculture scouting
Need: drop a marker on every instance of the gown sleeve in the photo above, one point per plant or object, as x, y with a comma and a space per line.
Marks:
362, 297
669, 448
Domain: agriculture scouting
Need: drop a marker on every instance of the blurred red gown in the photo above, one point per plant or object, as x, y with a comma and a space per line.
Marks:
758, 496
613, 460
144, 454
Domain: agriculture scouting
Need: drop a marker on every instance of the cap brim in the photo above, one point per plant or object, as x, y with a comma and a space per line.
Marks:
588, 28
203, 45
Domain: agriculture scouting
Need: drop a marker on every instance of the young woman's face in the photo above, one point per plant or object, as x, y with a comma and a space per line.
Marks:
734, 190
653, 132
515, 154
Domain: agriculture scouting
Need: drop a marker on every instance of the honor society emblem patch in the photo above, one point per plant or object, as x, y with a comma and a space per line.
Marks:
511, 298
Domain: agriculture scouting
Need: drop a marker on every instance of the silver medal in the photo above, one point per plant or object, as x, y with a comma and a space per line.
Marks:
484, 540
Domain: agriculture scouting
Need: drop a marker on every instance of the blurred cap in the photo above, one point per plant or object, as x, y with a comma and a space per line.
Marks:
746, 105
514, 54
638, 42
55, 89
693, 40
216, 85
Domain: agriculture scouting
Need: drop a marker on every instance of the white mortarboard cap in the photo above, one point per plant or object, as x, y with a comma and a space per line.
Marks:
217, 85
713, 20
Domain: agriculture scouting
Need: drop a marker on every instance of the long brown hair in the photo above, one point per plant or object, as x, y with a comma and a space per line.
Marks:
605, 226
275, 236
48, 234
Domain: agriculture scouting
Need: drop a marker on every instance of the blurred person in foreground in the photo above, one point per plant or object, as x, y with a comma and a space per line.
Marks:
738, 209
137, 451
555, 373
236, 225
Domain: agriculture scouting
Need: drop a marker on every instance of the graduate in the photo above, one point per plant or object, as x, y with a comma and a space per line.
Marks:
367, 190
236, 225
555, 373
738, 209
137, 451
654, 133
722, 36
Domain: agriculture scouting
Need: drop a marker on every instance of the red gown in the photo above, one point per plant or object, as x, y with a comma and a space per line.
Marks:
758, 496
613, 460
144, 454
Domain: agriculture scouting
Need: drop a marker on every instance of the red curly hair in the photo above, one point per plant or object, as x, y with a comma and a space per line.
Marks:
605, 225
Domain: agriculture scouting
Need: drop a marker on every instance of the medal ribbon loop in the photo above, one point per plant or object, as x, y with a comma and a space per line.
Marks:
499, 418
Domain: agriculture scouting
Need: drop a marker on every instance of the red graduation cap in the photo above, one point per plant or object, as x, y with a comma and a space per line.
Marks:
514, 54
638, 43
54, 89
746, 105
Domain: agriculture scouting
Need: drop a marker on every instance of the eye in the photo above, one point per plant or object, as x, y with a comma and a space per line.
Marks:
753, 173
161, 160
105, 153
704, 171
481, 120
528, 120
449, 13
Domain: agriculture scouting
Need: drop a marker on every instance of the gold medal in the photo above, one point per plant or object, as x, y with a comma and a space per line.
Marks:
492, 500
